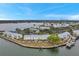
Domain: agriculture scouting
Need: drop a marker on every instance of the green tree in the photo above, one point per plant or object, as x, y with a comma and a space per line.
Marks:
54, 38
27, 31
1, 33
70, 30
23, 32
20, 32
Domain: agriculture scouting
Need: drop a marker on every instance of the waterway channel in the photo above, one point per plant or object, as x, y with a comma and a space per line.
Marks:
10, 49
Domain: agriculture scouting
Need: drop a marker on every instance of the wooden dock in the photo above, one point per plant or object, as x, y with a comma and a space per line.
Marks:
71, 41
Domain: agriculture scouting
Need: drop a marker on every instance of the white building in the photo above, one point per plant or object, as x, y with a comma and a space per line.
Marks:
76, 33
64, 35
46, 24
36, 37
26, 37
12, 35
60, 25
43, 27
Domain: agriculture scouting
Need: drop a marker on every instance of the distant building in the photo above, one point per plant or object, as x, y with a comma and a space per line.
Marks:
76, 33
36, 30
47, 24
43, 27
60, 25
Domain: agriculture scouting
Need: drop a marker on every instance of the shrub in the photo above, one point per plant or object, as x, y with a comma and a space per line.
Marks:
54, 38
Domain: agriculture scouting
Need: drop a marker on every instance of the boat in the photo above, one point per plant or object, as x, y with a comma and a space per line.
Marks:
72, 43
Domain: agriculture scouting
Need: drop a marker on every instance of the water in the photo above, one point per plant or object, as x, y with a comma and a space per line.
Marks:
13, 26
10, 49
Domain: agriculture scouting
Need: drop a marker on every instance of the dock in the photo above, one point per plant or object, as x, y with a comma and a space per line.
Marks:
71, 41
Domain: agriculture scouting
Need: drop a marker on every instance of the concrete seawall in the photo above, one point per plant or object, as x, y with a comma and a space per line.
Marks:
34, 44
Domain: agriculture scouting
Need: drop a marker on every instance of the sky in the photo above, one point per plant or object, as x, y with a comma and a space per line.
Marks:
39, 11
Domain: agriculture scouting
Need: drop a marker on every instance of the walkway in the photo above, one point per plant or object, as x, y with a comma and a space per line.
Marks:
34, 43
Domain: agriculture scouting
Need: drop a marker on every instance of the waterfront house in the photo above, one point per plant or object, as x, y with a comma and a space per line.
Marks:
36, 37
12, 35
76, 33
26, 37
64, 35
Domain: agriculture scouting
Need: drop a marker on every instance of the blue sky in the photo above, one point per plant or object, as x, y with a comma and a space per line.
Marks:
37, 11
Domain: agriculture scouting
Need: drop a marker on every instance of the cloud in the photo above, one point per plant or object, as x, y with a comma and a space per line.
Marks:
74, 17
4, 19
53, 15
15, 12
56, 16
4, 16
25, 10
60, 16
51, 8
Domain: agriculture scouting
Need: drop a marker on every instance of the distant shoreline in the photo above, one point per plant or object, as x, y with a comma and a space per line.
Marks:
23, 21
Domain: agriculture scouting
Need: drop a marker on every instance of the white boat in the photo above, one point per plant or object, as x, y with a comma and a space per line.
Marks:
70, 44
